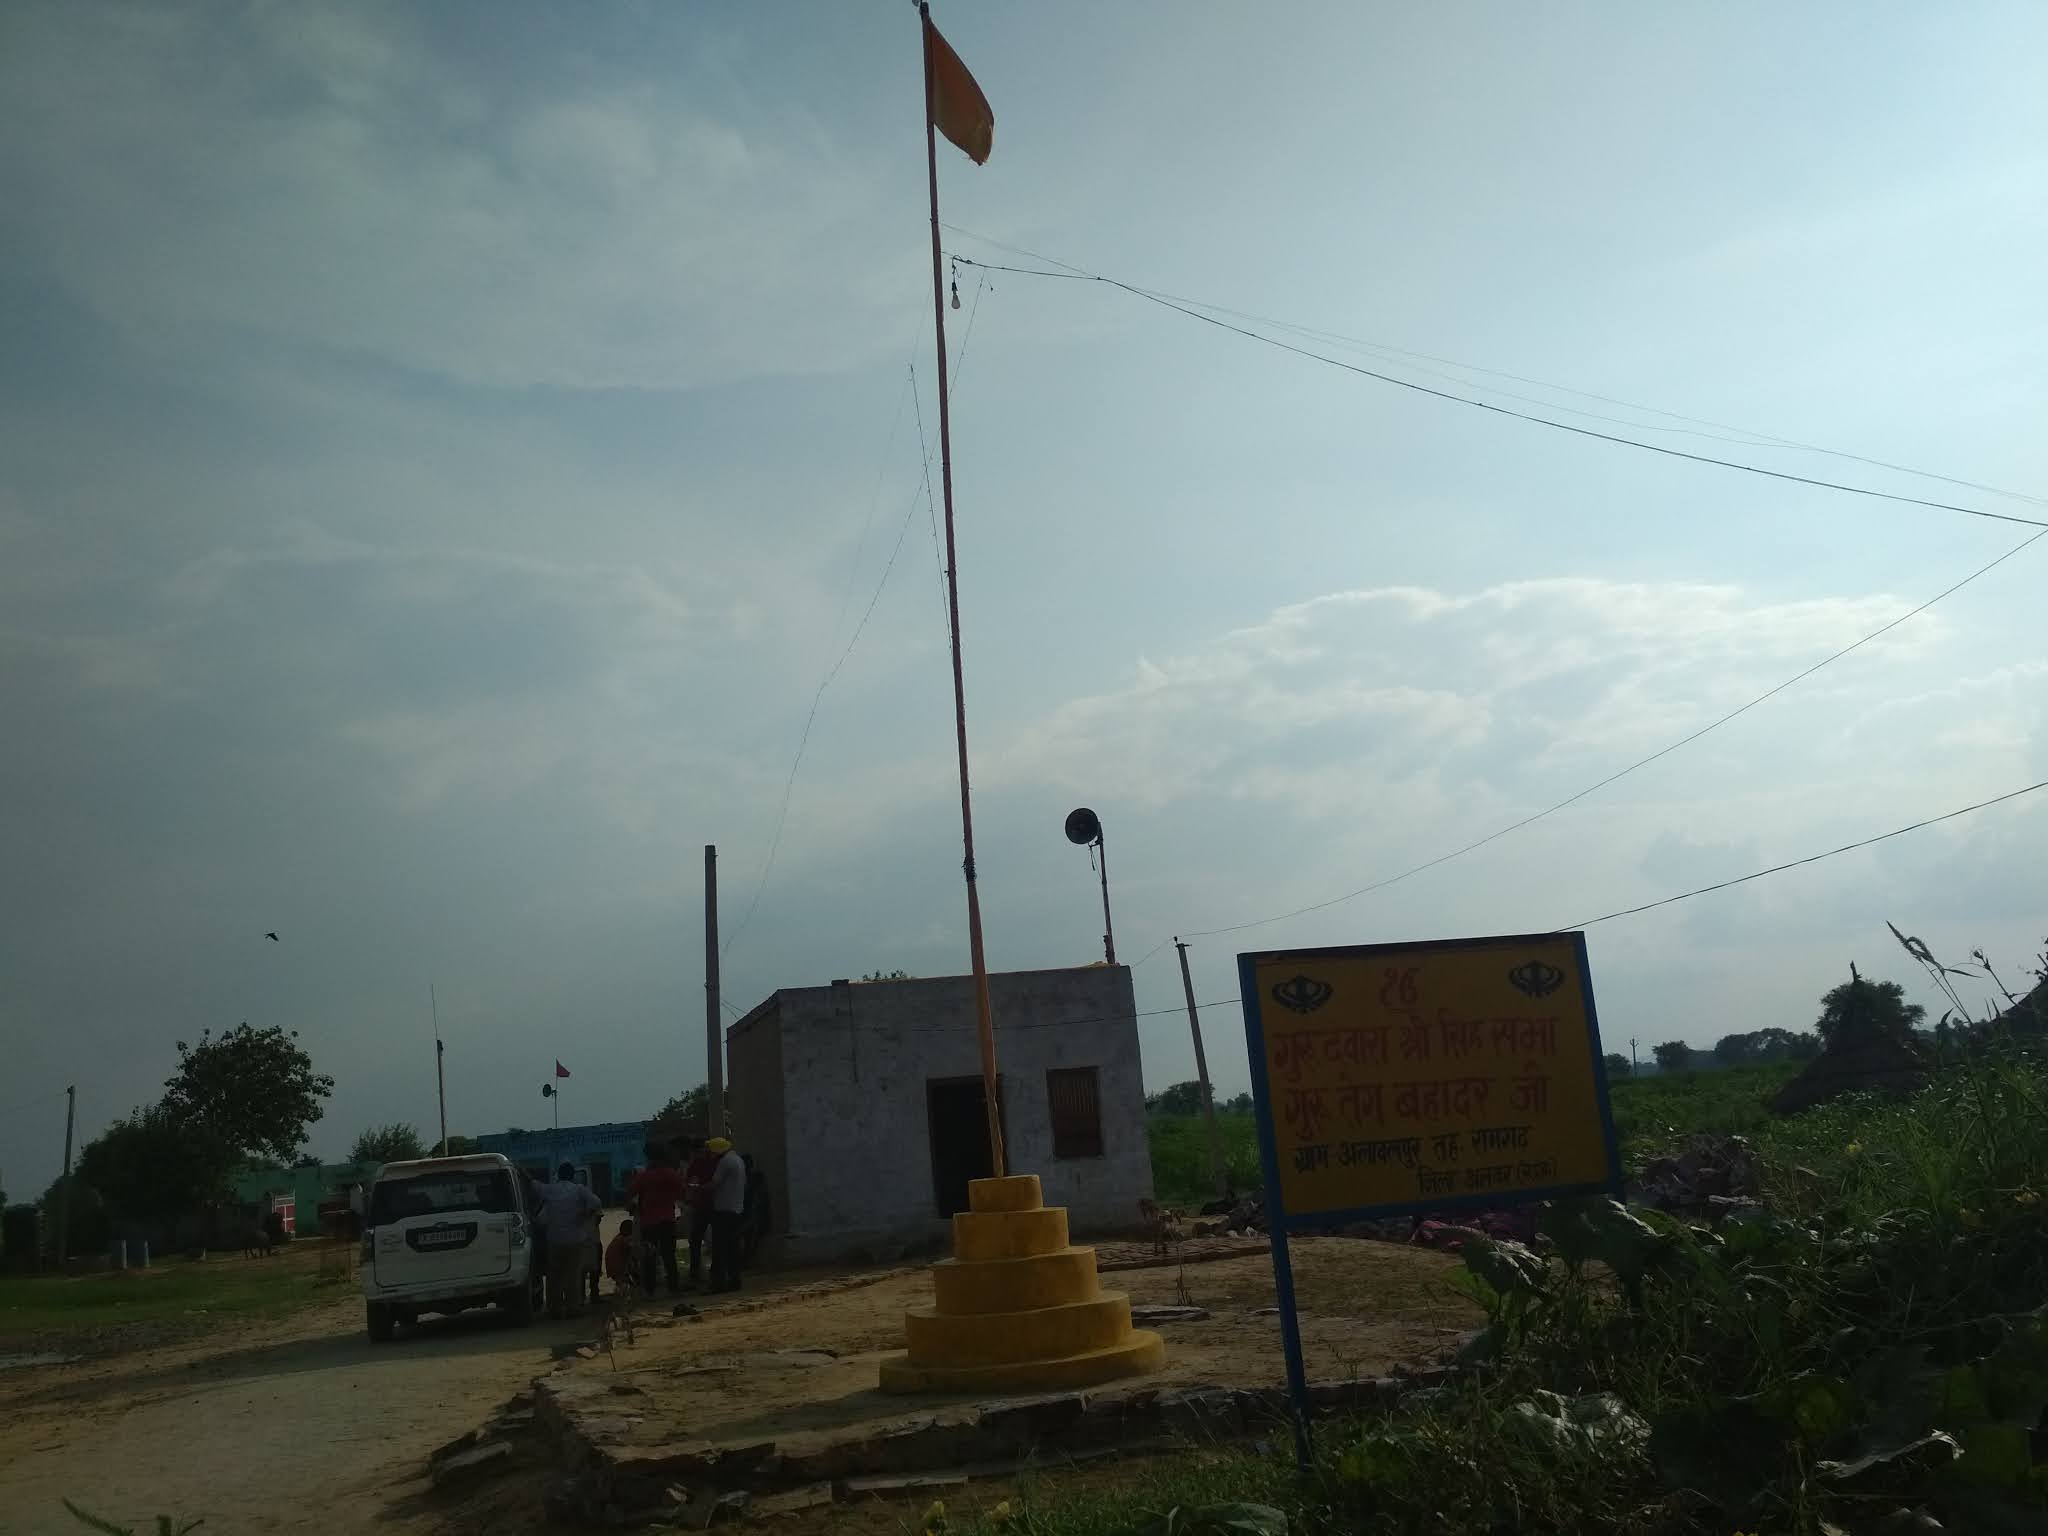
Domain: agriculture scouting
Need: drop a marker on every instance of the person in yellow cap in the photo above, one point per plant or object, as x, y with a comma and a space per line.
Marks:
728, 1201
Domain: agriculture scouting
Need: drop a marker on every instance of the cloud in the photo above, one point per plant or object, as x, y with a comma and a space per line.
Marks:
330, 179
1503, 686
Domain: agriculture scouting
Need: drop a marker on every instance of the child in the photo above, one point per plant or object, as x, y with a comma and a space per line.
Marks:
618, 1257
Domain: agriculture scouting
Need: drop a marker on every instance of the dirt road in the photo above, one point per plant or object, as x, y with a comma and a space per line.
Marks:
300, 1424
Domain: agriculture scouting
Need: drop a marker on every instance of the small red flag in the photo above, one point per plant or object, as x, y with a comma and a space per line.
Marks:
560, 1070
957, 107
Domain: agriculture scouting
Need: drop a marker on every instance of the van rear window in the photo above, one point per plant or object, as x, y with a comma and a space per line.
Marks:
428, 1194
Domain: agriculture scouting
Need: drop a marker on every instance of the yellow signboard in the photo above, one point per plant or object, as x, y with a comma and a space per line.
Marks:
1428, 1076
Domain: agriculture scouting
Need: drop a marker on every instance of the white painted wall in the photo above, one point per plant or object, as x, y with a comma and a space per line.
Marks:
855, 1061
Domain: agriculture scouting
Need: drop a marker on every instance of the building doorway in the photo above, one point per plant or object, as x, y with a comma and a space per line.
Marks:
956, 1110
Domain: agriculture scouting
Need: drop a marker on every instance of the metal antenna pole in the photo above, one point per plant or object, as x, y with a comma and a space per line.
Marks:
1108, 928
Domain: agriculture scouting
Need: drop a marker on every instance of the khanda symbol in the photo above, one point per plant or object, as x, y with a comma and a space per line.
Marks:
1536, 979
1304, 994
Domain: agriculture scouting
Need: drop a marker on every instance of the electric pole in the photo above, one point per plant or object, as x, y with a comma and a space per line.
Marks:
714, 1063
64, 1185
440, 1080
1216, 1162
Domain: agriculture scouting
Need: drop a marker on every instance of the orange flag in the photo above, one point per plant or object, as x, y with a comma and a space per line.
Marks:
954, 101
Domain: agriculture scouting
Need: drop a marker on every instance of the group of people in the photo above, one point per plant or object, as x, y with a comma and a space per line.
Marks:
714, 1196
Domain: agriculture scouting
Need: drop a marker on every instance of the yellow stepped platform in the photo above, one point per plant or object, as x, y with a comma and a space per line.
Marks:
1017, 1307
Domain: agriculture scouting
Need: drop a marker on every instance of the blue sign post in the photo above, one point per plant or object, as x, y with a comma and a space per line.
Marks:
1403, 1079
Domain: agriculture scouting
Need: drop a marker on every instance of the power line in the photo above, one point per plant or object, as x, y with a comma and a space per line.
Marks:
1814, 858
932, 517
874, 500
1775, 869
925, 456
1722, 885
1621, 773
1502, 410
810, 719
1743, 434
924, 449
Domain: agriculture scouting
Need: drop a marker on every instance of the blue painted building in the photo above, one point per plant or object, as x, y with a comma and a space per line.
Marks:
603, 1154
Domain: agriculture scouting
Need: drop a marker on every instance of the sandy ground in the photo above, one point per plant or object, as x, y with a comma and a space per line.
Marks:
295, 1425
786, 1371
301, 1424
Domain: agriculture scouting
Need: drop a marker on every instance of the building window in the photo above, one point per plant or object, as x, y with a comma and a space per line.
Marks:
1076, 1111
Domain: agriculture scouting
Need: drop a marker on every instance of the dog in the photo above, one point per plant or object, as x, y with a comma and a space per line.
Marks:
1162, 1225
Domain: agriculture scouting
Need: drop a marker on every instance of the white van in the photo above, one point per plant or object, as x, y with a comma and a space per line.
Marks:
444, 1234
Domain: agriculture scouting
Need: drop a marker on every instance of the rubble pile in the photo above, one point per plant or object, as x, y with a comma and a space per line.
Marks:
1706, 1169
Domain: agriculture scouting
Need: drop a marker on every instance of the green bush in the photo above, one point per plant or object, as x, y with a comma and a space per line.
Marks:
1874, 1340
1181, 1174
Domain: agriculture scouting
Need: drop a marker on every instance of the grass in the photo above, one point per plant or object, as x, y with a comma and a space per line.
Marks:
1651, 1114
1180, 1157
176, 1290
1875, 1340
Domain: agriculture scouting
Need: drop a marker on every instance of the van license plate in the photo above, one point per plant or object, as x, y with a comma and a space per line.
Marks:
447, 1235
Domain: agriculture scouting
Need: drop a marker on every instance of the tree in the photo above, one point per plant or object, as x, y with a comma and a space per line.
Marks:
253, 1088
888, 976
393, 1143
461, 1146
158, 1163
1771, 1044
86, 1219
1180, 1099
690, 1104
1673, 1056
1618, 1065
1859, 1013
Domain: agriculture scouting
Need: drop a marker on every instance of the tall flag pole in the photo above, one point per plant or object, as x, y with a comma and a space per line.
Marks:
955, 106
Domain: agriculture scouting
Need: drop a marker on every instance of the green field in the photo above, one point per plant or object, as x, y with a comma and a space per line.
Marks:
1869, 1344
176, 1292
1180, 1157
1651, 1113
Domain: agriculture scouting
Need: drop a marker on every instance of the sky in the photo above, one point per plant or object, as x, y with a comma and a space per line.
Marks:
442, 450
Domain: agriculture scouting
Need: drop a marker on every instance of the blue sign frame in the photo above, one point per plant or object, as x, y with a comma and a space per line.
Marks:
1279, 1223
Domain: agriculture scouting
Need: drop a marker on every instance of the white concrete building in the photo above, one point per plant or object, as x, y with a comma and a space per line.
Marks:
863, 1103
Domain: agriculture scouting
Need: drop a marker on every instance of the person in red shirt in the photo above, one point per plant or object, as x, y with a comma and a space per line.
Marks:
654, 1191
697, 1194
